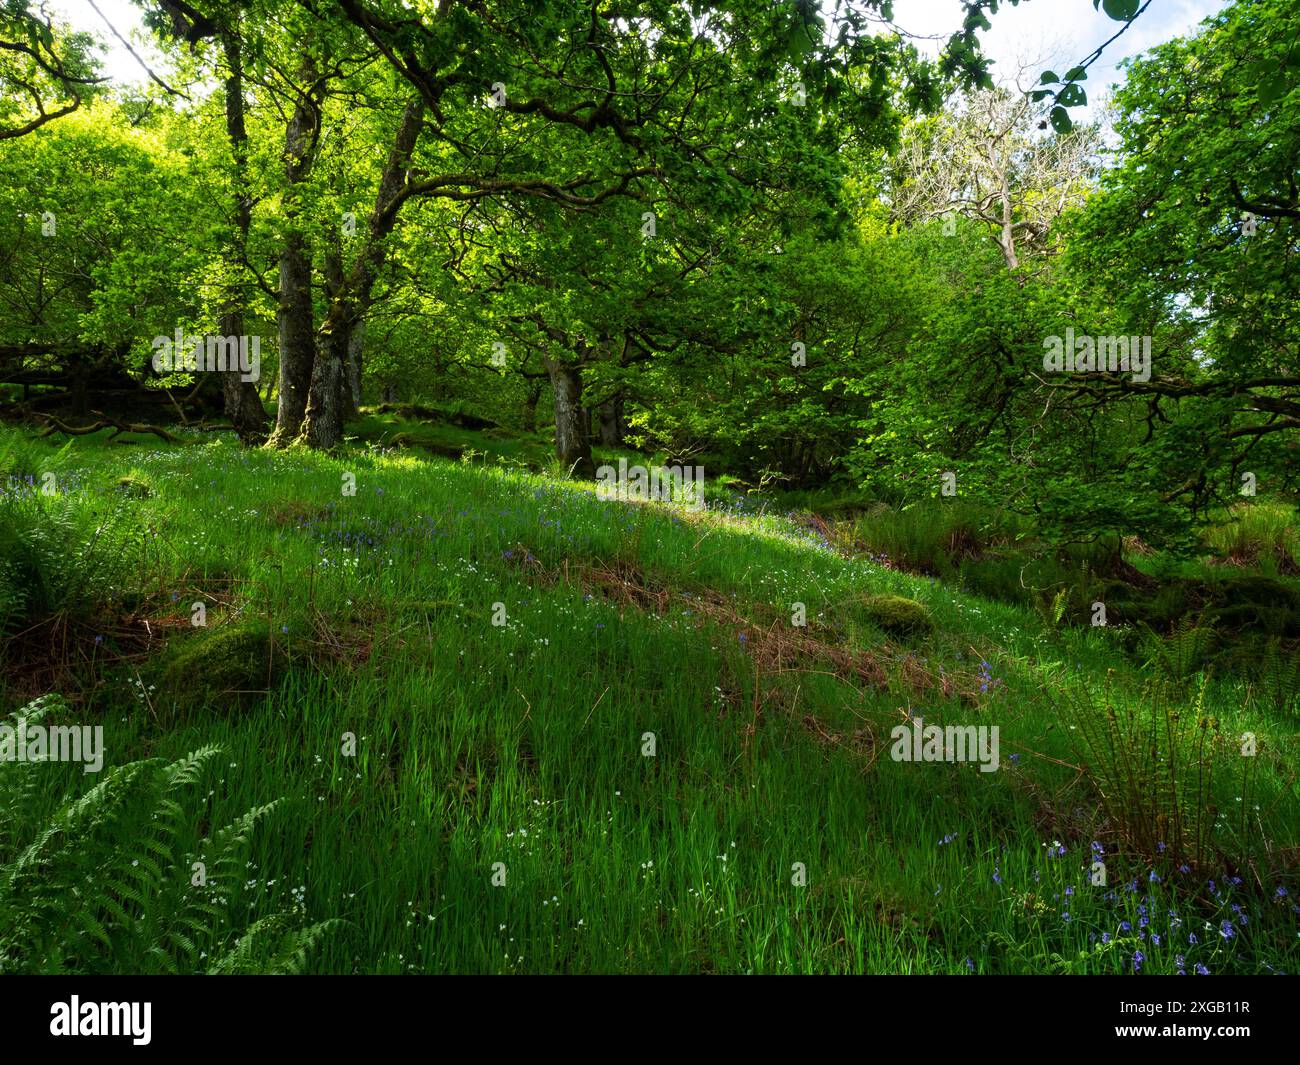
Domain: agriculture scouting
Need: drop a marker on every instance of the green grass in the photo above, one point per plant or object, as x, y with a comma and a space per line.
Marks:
521, 743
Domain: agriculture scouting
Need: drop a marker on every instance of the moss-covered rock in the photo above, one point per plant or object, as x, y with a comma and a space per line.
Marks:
222, 668
898, 615
135, 487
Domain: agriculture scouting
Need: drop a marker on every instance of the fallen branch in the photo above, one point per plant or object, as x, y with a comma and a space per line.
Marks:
105, 422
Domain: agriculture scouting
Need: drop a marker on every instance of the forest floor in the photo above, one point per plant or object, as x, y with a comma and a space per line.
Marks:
525, 729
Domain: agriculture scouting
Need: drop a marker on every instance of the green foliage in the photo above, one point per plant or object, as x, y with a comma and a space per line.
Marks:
1190, 240
1277, 676
1259, 533
1183, 651
59, 557
26, 459
771, 239
106, 883
1164, 771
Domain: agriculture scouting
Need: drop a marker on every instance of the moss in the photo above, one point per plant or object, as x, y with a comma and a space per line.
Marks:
134, 486
899, 615
222, 668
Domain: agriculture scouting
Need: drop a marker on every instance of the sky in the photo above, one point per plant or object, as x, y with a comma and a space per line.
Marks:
1036, 34
1056, 34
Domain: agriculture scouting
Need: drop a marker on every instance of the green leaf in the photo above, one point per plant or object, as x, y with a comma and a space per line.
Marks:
1049, 78
1073, 96
1060, 120
1121, 10
1272, 89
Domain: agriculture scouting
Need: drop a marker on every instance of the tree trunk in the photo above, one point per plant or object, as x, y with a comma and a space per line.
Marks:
1007, 239
613, 426
79, 402
572, 441
323, 424
242, 404
529, 418
297, 337
350, 382
297, 341
352, 385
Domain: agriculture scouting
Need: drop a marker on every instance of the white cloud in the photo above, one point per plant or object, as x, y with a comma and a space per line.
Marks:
1034, 34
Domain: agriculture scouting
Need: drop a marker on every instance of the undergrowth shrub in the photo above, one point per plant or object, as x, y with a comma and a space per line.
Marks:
1174, 786
1276, 675
935, 537
60, 555
25, 459
103, 882
1258, 532
1183, 651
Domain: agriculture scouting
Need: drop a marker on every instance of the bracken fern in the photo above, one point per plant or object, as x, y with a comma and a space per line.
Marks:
104, 883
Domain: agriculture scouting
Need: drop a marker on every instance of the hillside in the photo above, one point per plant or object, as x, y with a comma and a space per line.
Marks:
521, 728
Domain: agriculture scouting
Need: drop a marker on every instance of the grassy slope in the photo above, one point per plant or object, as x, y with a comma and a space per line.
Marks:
522, 743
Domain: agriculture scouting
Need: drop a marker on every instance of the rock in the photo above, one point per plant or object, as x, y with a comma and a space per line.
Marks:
898, 615
222, 668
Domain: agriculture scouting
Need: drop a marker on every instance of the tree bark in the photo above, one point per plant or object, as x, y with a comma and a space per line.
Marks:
350, 379
613, 426
297, 336
242, 404
572, 441
297, 341
352, 382
529, 418
323, 424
